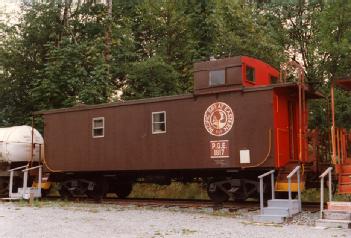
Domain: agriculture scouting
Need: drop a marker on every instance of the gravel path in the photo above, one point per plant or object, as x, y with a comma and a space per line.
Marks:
95, 220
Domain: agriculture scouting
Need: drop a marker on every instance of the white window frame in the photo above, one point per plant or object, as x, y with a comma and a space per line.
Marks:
211, 72
102, 127
152, 122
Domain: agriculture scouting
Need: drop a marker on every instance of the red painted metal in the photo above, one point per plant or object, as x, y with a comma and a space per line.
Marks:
281, 127
333, 122
263, 72
340, 140
302, 111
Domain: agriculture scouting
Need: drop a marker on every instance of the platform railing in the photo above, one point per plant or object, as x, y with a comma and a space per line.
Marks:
326, 172
261, 187
25, 179
292, 173
12, 171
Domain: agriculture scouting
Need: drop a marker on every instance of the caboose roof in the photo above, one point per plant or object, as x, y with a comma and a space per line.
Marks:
82, 107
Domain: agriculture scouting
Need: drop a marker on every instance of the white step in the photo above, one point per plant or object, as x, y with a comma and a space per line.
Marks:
337, 215
282, 211
26, 193
293, 205
10, 199
333, 223
283, 202
269, 218
340, 206
16, 196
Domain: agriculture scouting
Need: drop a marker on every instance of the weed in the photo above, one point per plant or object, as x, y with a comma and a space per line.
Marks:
174, 190
187, 231
93, 210
36, 203
313, 195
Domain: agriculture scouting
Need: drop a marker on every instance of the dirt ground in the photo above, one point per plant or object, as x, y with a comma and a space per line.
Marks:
73, 220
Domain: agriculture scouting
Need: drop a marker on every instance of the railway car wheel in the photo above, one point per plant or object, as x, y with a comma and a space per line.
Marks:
123, 190
216, 194
65, 194
97, 193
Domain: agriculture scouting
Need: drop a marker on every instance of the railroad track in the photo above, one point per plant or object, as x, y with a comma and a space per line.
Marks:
166, 203
230, 206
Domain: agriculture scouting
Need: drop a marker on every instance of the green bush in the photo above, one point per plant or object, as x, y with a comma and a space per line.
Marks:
174, 190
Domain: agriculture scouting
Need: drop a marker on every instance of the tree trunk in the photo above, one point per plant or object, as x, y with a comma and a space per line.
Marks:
108, 33
64, 21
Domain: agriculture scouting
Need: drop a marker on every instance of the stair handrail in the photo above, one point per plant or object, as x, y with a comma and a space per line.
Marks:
25, 177
261, 187
11, 177
292, 173
18, 168
326, 172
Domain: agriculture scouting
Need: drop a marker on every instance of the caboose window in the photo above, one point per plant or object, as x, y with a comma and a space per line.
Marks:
158, 122
274, 80
217, 77
250, 74
98, 127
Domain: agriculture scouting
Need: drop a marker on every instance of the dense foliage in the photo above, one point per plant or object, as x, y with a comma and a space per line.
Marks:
66, 52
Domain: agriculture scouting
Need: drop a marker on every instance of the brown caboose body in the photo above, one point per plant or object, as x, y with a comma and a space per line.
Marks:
239, 122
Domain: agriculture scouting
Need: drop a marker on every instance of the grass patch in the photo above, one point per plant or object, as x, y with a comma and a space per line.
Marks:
313, 195
187, 231
178, 190
175, 190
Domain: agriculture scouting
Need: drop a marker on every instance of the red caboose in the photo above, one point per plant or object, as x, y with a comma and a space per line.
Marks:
240, 121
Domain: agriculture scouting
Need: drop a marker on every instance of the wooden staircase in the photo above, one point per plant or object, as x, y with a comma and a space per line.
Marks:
338, 215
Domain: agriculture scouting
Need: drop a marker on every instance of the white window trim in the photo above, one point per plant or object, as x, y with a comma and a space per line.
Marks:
102, 127
165, 122
210, 78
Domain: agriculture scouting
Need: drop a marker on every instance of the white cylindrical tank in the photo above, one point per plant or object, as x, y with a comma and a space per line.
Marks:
16, 144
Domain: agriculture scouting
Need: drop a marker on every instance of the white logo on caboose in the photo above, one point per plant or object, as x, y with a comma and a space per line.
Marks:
218, 119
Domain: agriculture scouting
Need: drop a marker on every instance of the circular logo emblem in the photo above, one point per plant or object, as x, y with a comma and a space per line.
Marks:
218, 119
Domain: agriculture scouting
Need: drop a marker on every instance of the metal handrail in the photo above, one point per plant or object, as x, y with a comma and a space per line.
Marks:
11, 177
292, 173
39, 166
261, 187
327, 171
18, 168
25, 177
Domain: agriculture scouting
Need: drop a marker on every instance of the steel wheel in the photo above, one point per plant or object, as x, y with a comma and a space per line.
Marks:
65, 194
215, 194
122, 190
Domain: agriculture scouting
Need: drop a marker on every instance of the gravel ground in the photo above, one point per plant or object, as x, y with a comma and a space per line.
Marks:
64, 219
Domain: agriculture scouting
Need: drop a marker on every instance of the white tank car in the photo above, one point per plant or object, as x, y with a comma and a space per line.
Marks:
16, 142
15, 151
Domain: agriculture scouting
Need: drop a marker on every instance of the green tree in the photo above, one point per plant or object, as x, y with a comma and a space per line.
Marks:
160, 29
151, 78
56, 57
317, 34
242, 30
